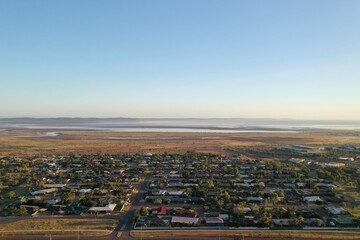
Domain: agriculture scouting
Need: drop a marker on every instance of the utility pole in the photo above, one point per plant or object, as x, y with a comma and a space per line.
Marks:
219, 232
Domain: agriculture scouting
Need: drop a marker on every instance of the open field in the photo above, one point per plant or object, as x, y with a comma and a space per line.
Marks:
246, 234
32, 142
58, 226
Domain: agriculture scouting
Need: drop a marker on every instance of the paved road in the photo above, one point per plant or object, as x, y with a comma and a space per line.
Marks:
127, 219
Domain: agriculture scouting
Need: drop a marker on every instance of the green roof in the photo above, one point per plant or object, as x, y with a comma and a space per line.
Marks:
76, 209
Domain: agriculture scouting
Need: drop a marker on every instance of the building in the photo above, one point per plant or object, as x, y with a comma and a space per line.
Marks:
185, 220
303, 149
336, 210
214, 221
44, 191
106, 209
313, 199
158, 211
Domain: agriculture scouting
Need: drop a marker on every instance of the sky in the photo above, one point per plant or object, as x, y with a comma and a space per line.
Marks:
180, 58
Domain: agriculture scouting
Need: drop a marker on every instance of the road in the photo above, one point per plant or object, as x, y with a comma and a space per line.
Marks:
126, 220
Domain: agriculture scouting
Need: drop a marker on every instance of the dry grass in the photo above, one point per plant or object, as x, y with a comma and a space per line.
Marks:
12, 142
246, 234
60, 224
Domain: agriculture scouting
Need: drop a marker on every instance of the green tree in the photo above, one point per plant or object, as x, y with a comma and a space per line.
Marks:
68, 196
226, 197
143, 211
298, 221
254, 208
22, 211
11, 194
265, 219
238, 209
275, 198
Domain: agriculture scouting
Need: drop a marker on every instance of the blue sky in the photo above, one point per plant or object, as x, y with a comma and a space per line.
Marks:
271, 59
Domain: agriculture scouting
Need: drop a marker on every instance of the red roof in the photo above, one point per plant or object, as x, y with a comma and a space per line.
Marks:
159, 210
162, 210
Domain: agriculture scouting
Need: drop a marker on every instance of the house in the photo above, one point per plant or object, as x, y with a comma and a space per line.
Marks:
55, 185
336, 210
350, 159
43, 191
332, 164
282, 222
313, 199
214, 221
326, 186
174, 193
85, 190
54, 201
155, 221
76, 210
344, 221
107, 209
297, 160
255, 199
185, 220
158, 211
31, 209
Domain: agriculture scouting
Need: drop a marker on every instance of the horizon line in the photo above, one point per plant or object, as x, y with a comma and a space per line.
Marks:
184, 118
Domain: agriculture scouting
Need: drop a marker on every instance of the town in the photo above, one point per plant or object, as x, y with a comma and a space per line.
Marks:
304, 189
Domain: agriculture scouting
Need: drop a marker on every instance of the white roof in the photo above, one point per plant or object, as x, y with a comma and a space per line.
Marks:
43, 191
175, 192
312, 199
55, 185
255, 198
85, 190
184, 219
214, 220
336, 210
325, 185
107, 208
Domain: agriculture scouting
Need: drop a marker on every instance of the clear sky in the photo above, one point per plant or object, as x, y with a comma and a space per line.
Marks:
180, 58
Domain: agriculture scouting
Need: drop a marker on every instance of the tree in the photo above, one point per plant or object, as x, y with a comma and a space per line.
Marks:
265, 219
12, 210
226, 197
210, 183
22, 211
143, 211
238, 209
68, 196
357, 221
277, 212
292, 212
298, 221
318, 223
280, 193
254, 208
12, 194
275, 198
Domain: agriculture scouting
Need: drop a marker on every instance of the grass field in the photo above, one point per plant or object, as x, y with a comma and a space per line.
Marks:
30, 142
98, 226
246, 234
